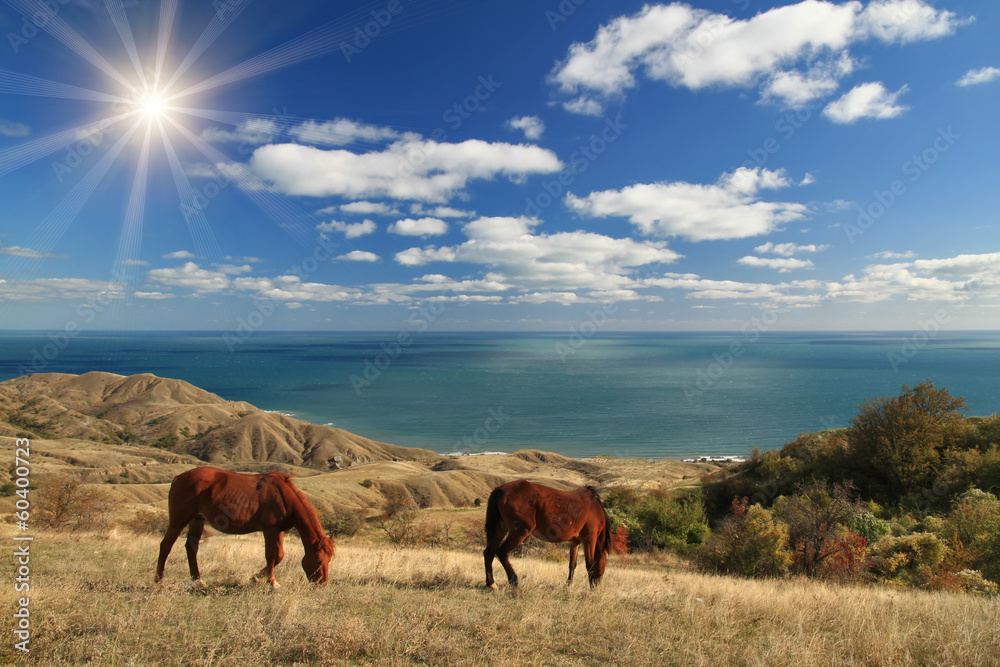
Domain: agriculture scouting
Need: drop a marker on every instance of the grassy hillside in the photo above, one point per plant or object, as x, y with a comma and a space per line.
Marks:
93, 600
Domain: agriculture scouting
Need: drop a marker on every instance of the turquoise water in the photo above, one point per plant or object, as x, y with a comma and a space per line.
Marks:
639, 395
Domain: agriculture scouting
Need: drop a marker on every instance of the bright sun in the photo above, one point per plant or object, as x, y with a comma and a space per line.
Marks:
151, 104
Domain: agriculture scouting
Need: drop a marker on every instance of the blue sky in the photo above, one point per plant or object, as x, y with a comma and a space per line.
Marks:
499, 166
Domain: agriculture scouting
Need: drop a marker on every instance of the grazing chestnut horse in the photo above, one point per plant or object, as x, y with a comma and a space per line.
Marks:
521, 508
239, 503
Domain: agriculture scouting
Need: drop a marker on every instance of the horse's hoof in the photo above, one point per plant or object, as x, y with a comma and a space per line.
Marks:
491, 587
199, 585
275, 585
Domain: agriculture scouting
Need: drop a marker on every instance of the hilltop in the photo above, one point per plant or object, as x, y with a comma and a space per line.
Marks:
139, 431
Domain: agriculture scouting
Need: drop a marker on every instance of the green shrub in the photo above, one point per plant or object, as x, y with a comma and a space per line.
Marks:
975, 523
657, 520
749, 543
147, 522
909, 560
341, 522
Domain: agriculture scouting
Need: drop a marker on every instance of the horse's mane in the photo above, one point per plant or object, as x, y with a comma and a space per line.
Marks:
305, 510
594, 492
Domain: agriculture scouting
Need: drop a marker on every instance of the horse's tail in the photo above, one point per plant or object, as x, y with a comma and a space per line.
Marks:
606, 546
493, 512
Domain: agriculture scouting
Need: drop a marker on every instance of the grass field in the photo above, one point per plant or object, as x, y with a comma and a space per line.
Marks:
93, 601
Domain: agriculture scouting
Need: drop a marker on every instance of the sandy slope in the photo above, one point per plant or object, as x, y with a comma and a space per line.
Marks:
137, 432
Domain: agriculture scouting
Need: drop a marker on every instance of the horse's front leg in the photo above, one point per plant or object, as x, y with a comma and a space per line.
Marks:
274, 551
574, 549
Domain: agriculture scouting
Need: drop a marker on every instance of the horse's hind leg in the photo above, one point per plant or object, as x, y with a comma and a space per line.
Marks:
574, 550
195, 530
513, 541
166, 544
493, 543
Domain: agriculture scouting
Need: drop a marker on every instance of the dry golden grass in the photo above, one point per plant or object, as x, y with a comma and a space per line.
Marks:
93, 601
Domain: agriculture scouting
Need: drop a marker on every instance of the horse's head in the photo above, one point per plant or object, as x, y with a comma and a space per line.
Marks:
316, 562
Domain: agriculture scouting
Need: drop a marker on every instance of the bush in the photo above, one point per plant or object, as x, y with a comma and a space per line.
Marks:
901, 438
341, 523
749, 543
817, 517
910, 560
147, 522
66, 502
975, 523
657, 520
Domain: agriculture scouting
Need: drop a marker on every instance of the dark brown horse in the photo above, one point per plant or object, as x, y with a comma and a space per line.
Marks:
521, 508
238, 504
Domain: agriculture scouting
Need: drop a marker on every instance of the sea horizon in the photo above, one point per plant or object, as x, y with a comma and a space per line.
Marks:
657, 395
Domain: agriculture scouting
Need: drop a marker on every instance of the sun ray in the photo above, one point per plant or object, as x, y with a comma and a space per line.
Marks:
205, 243
130, 237
220, 21
298, 224
168, 10
15, 157
14, 83
117, 12
56, 27
319, 41
50, 231
191, 207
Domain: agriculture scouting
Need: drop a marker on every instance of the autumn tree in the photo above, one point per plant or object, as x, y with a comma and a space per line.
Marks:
901, 438
818, 517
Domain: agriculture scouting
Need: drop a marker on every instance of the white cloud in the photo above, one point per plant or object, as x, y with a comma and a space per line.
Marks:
532, 126
728, 209
975, 77
58, 289
780, 264
254, 132
788, 249
28, 253
796, 52
360, 256
341, 132
12, 129
363, 208
192, 277
233, 269
411, 168
291, 288
889, 254
350, 230
135, 262
419, 227
584, 105
154, 296
179, 254
517, 255
865, 100
440, 211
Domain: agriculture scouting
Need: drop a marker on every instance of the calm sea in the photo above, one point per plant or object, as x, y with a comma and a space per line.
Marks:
637, 395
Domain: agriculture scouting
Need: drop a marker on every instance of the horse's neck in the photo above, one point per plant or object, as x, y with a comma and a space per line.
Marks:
307, 523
